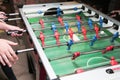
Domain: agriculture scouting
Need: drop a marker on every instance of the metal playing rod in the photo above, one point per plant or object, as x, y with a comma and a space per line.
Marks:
59, 26
50, 46
82, 41
48, 36
64, 19
97, 16
39, 11
12, 14
25, 50
81, 53
55, 15
12, 19
51, 17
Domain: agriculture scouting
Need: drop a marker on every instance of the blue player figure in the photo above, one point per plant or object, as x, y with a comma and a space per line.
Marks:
75, 8
66, 27
39, 12
101, 22
69, 44
90, 23
93, 40
116, 35
53, 27
59, 11
78, 26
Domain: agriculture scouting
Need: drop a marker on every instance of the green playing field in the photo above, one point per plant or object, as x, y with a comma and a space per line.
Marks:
91, 60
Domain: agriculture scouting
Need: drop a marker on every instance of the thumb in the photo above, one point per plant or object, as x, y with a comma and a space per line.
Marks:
12, 43
16, 28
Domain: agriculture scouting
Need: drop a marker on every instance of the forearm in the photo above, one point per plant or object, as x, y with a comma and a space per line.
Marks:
4, 26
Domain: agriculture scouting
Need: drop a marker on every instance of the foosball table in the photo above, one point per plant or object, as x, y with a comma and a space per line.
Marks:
74, 41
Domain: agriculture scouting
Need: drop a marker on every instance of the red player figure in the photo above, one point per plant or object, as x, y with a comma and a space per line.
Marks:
78, 18
113, 61
42, 38
79, 71
41, 22
96, 28
60, 20
57, 35
75, 55
109, 48
70, 32
84, 32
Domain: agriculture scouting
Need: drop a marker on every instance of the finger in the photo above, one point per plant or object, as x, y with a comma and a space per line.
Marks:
13, 34
6, 60
17, 28
2, 21
11, 43
3, 13
113, 15
20, 29
1, 60
10, 57
13, 53
19, 34
16, 34
116, 11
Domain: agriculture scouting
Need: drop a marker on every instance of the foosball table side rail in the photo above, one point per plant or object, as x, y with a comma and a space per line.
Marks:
43, 57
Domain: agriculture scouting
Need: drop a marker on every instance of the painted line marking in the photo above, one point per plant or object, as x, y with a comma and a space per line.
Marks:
94, 58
